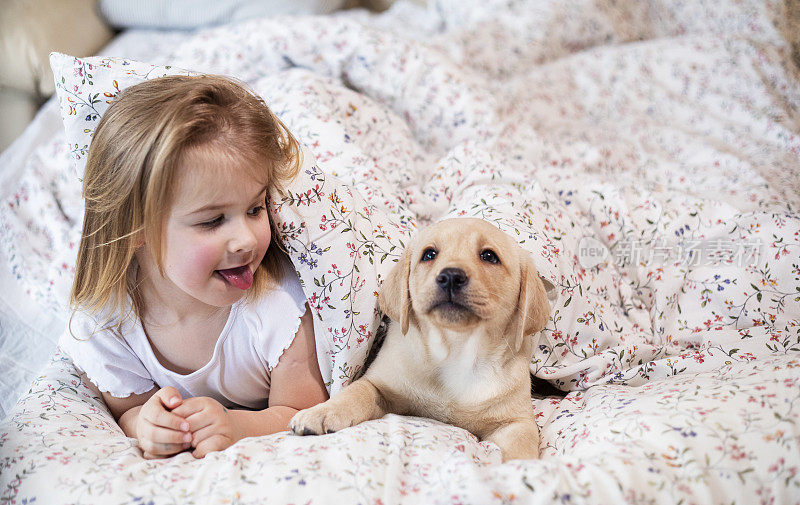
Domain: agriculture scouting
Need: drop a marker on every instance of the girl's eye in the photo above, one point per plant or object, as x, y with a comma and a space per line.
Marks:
257, 210
489, 256
211, 224
428, 254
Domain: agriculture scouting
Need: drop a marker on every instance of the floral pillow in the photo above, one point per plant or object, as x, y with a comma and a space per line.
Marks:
341, 245
85, 88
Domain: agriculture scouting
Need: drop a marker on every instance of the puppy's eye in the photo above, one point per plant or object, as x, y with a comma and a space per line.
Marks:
489, 256
428, 254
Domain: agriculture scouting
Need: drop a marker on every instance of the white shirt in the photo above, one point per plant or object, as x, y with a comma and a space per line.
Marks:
238, 374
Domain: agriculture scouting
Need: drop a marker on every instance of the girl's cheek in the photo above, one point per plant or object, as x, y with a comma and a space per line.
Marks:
201, 257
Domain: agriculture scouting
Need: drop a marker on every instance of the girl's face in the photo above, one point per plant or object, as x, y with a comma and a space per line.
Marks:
216, 234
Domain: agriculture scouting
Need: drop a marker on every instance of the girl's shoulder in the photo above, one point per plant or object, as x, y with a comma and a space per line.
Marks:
82, 324
106, 351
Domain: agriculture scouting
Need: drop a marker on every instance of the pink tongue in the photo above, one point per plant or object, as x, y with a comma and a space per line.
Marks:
241, 277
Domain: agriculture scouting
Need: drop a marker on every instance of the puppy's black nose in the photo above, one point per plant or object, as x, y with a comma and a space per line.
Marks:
452, 279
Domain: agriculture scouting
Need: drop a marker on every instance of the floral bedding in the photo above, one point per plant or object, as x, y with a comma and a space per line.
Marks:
725, 436
647, 154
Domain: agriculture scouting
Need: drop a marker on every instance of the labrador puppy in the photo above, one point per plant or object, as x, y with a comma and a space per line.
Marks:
465, 300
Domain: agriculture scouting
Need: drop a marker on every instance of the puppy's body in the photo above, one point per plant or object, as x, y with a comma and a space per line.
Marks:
470, 385
458, 349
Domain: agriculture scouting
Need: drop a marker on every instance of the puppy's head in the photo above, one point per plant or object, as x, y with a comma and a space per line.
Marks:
461, 274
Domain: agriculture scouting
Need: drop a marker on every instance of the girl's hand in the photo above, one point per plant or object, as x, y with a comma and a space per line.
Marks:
212, 425
162, 433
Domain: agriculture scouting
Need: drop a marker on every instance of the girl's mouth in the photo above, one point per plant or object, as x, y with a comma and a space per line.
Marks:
240, 277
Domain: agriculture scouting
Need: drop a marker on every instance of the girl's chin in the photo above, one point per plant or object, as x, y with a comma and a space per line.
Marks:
224, 300
223, 293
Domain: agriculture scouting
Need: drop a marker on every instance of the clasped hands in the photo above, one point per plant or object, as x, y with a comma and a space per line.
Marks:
168, 424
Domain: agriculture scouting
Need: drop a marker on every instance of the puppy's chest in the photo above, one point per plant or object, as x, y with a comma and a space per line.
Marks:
463, 370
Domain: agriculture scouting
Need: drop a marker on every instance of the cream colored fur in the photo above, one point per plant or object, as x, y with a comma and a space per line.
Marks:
463, 360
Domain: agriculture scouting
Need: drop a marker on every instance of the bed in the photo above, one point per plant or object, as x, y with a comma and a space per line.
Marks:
647, 154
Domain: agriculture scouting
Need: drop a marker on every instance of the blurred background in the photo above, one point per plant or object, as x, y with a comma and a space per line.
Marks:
31, 29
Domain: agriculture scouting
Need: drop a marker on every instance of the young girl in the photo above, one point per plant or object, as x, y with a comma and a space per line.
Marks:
187, 315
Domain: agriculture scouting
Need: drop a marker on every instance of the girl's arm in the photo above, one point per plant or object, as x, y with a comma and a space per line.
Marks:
296, 383
125, 410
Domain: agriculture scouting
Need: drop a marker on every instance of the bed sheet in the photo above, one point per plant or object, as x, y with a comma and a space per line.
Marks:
725, 436
648, 153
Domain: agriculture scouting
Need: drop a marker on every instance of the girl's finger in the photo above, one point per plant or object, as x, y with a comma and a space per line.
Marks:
165, 419
198, 436
211, 444
160, 435
188, 408
169, 397
200, 420
154, 450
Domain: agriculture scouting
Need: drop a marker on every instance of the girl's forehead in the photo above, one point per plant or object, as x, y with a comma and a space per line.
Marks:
226, 161
205, 175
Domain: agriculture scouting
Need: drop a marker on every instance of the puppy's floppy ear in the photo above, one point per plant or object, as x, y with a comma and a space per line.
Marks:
549, 289
533, 309
394, 298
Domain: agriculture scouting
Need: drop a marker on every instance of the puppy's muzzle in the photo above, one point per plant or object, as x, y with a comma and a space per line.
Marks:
451, 280
450, 300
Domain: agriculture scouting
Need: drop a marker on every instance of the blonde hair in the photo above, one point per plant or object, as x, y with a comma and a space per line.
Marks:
131, 172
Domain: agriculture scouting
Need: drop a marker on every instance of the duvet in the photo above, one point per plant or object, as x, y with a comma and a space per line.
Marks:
647, 155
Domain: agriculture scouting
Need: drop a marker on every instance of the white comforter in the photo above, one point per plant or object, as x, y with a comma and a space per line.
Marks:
646, 153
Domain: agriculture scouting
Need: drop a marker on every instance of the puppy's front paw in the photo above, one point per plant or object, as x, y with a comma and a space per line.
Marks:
517, 440
320, 419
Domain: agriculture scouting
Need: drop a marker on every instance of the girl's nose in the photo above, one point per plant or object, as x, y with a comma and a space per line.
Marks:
244, 238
